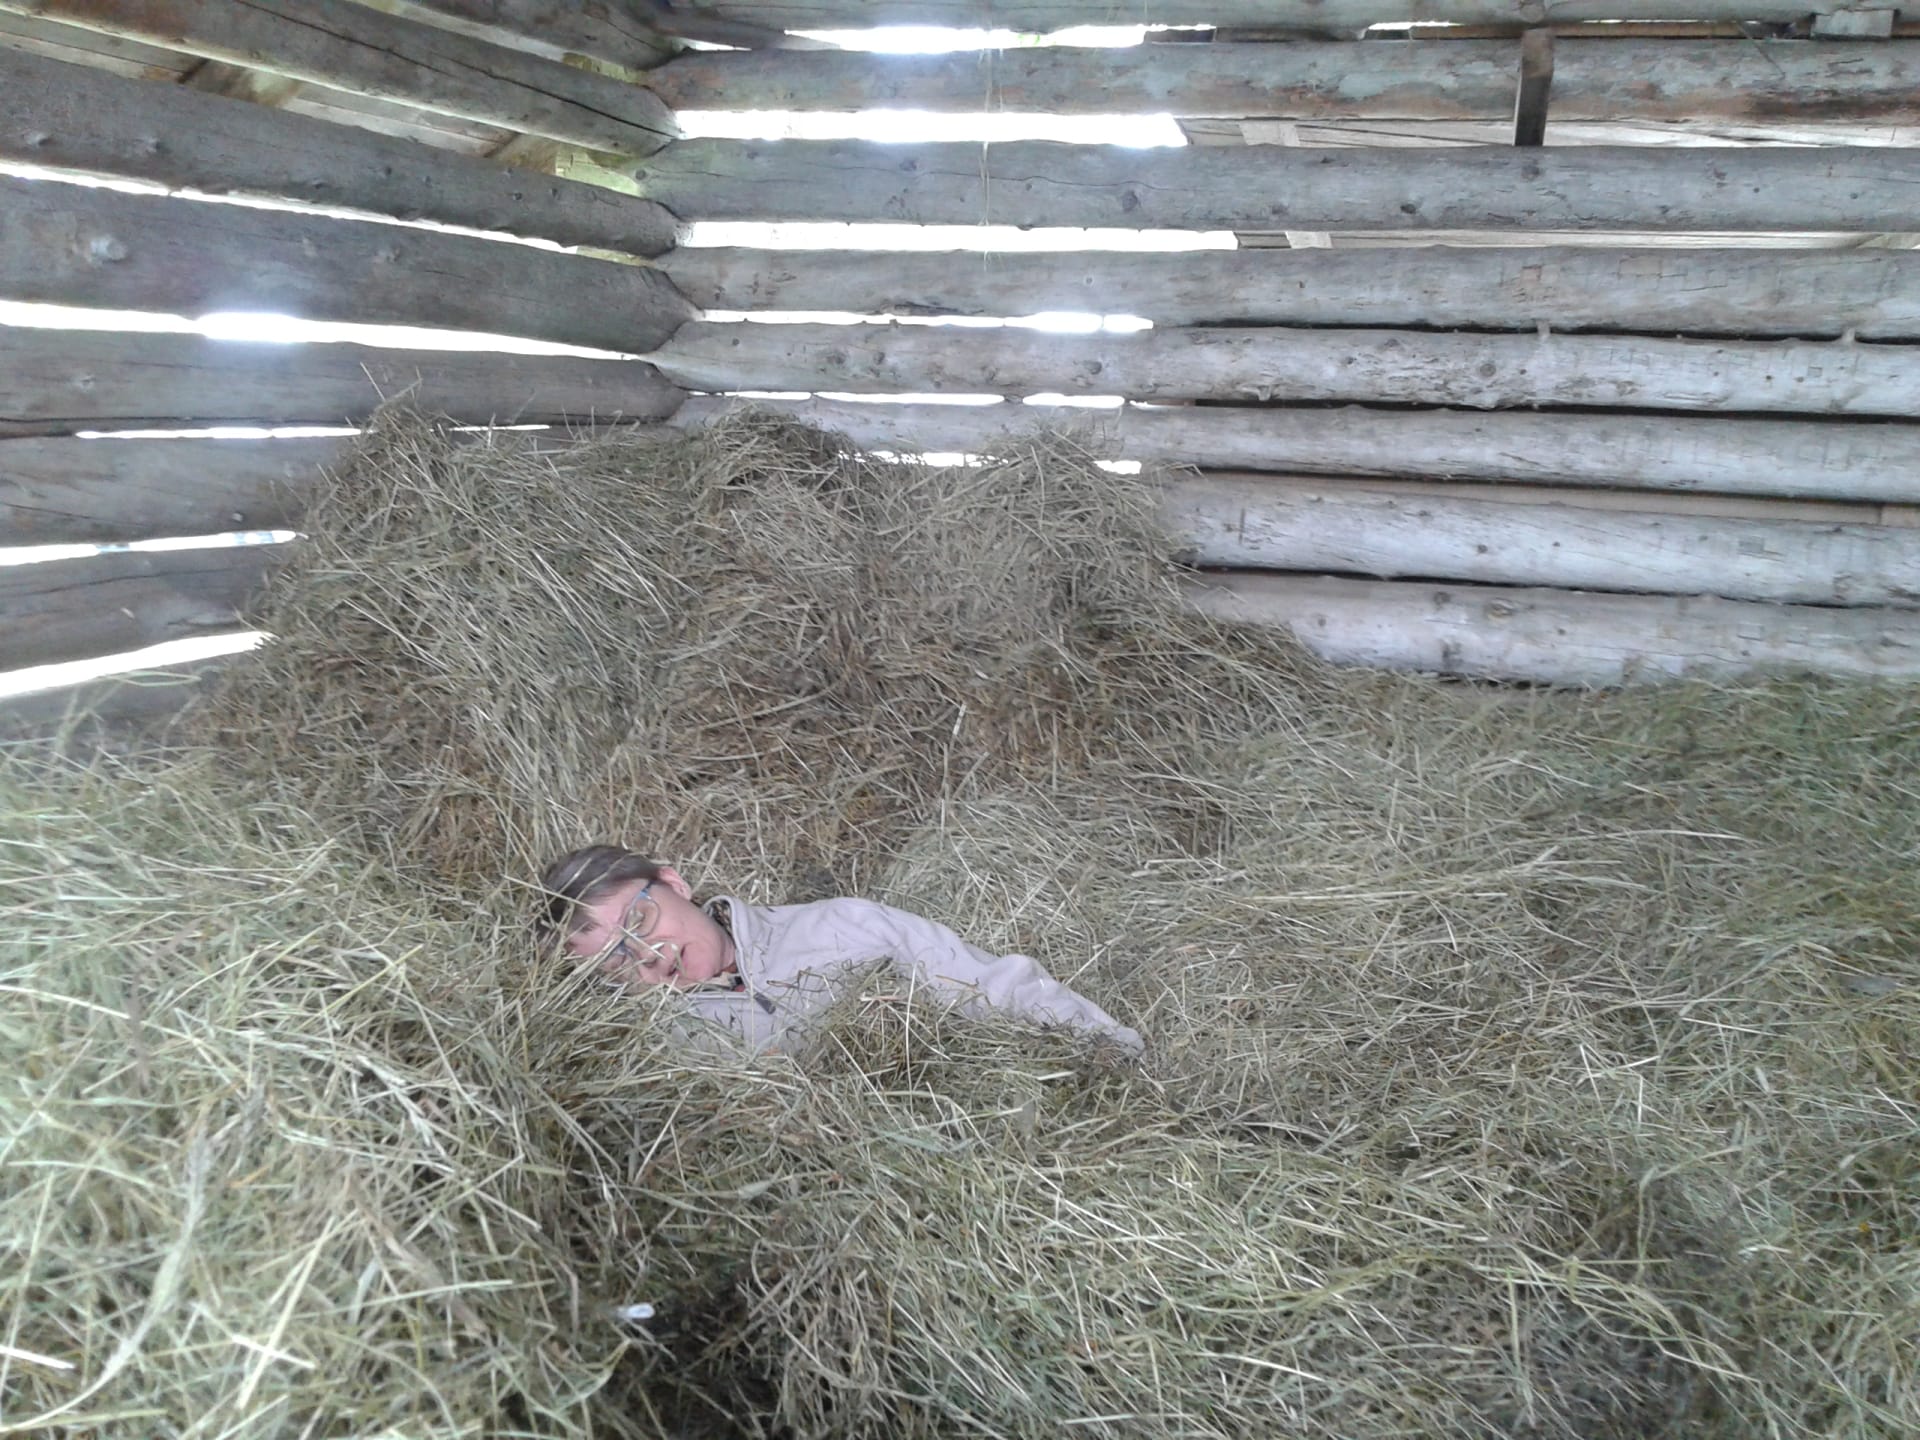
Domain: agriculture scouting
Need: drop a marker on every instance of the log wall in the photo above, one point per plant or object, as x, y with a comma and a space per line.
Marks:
1686, 444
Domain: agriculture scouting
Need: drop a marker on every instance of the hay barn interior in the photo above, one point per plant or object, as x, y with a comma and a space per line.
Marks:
1543, 372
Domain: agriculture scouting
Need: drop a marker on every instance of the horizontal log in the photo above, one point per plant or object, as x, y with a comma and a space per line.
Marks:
114, 713
350, 47
1678, 504
1593, 80
1823, 460
56, 381
1486, 372
1564, 637
1271, 187
1342, 17
1874, 293
80, 245
70, 117
604, 30
62, 491
105, 604
1271, 524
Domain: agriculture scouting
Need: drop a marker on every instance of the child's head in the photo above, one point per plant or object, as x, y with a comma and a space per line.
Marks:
634, 913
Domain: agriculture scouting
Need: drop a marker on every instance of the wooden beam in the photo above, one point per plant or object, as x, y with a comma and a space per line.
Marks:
77, 245
350, 47
57, 381
69, 117
1268, 187
605, 30
1536, 84
1337, 17
61, 491
1677, 504
77, 609
1594, 80
1874, 293
108, 714
1563, 637
1275, 524
1823, 460
1486, 372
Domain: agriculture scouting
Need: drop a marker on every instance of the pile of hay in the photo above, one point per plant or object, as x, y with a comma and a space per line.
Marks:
1519, 1063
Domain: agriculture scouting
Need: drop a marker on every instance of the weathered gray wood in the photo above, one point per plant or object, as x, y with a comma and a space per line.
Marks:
116, 713
353, 48
1299, 525
1677, 504
1391, 366
70, 117
80, 245
1563, 637
1342, 17
1593, 80
1817, 459
1874, 293
55, 381
83, 47
105, 604
60, 490
1268, 187
604, 30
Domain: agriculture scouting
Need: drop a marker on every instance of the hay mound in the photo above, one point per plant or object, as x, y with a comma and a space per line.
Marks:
1520, 1063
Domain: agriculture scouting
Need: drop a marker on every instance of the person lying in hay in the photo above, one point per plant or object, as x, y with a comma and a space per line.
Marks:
764, 971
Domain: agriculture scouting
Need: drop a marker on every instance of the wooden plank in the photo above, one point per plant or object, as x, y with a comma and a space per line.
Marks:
602, 30
78, 245
1378, 366
1875, 293
1337, 17
114, 713
1267, 187
1764, 81
102, 605
1563, 637
83, 47
1681, 504
69, 117
350, 47
60, 490
58, 381
1824, 460
1275, 524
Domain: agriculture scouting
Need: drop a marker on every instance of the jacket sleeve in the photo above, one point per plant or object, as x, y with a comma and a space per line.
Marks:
1015, 983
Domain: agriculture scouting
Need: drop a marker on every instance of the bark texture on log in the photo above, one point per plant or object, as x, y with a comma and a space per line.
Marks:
1300, 526
63, 491
1815, 459
1563, 637
1271, 187
76, 245
1874, 293
1760, 81
71, 117
77, 609
1487, 372
350, 47
56, 381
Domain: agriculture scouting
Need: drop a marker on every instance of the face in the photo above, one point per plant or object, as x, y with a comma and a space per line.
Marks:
682, 944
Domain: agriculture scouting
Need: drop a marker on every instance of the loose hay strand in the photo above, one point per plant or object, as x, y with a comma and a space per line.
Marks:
1520, 1063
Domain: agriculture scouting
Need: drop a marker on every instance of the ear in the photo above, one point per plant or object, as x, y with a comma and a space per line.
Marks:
670, 877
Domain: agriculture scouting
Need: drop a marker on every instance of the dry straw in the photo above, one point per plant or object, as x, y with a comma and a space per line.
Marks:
1520, 1063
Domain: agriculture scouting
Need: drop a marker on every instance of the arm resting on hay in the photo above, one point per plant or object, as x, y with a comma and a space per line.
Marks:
930, 952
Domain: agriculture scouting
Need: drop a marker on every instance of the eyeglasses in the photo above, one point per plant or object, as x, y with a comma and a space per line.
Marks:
634, 946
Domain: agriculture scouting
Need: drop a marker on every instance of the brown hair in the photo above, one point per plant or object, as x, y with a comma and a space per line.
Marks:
581, 877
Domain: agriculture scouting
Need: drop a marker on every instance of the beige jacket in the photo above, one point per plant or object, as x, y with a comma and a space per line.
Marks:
790, 957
